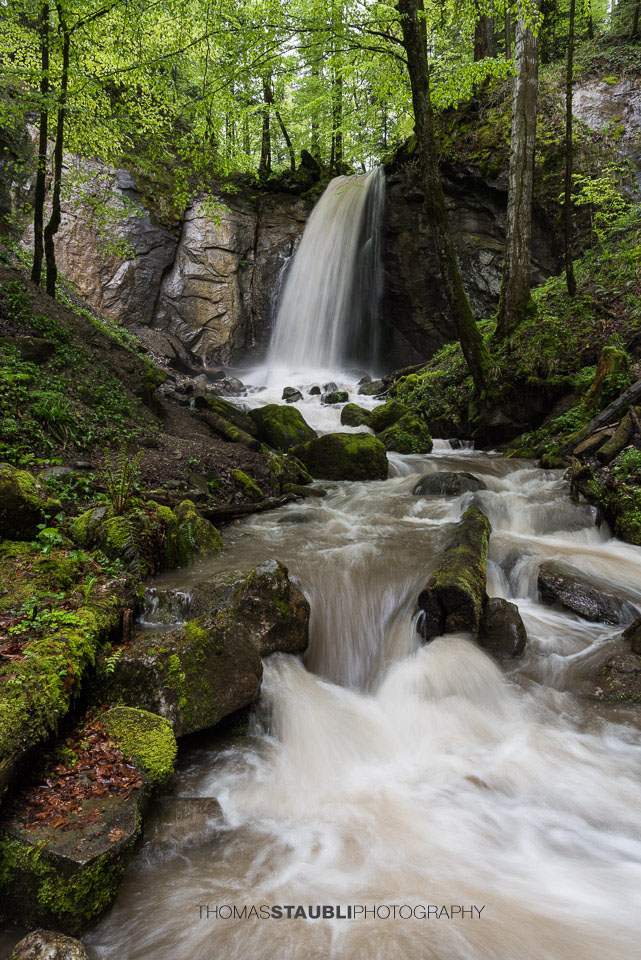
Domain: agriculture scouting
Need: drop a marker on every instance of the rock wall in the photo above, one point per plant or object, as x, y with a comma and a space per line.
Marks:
414, 301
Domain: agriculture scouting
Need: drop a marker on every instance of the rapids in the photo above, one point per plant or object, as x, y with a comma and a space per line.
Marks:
381, 772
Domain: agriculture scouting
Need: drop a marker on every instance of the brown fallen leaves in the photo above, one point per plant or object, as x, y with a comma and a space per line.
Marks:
89, 766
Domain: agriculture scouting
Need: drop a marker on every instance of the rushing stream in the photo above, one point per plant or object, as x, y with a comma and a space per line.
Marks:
380, 772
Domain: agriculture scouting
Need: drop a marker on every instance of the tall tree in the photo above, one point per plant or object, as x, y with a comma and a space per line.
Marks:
569, 149
515, 285
44, 30
54, 221
415, 45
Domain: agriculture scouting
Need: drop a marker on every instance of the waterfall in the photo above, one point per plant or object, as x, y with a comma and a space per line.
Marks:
329, 313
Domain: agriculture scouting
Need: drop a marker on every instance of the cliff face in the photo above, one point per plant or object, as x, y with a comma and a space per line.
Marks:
414, 301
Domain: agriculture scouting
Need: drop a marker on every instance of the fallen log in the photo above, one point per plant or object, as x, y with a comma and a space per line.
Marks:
607, 416
619, 439
229, 431
234, 511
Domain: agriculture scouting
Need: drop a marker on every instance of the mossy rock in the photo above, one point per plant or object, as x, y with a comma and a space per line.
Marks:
145, 737
65, 871
281, 426
502, 630
384, 416
24, 504
195, 536
408, 435
344, 456
454, 596
335, 396
354, 416
150, 537
246, 486
229, 411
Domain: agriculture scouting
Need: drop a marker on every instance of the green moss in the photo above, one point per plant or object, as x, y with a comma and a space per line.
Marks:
146, 738
386, 414
281, 426
247, 486
195, 536
408, 435
40, 894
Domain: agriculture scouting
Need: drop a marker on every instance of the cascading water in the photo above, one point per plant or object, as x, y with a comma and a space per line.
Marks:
380, 772
329, 312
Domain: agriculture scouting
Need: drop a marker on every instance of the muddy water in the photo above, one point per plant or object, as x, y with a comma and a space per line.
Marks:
380, 772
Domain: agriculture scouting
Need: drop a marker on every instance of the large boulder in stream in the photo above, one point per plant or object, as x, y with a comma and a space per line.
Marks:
48, 945
447, 483
354, 416
407, 435
344, 456
453, 598
565, 584
386, 414
502, 632
282, 427
211, 666
67, 836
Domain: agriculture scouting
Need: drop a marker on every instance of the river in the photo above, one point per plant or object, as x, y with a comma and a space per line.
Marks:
379, 772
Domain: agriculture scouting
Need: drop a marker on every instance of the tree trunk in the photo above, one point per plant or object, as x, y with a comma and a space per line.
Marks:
314, 146
515, 286
269, 99
635, 21
588, 19
337, 119
41, 174
484, 43
265, 166
569, 147
415, 44
54, 221
508, 35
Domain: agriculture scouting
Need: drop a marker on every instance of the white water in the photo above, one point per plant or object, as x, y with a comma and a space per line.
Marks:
381, 772
328, 315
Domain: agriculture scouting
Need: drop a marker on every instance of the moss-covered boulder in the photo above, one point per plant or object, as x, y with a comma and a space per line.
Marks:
55, 653
246, 486
24, 504
386, 414
344, 456
619, 679
263, 605
48, 945
150, 537
354, 416
453, 598
194, 676
280, 426
372, 389
65, 840
408, 435
335, 396
285, 469
502, 630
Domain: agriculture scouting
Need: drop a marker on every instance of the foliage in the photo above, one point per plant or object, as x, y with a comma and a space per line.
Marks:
122, 479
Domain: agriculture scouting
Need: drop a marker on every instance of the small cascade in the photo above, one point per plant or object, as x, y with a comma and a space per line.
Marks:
164, 608
329, 313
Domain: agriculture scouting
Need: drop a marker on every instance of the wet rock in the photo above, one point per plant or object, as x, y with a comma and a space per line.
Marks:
344, 456
262, 606
195, 537
336, 396
314, 391
24, 503
280, 426
502, 631
372, 389
364, 379
453, 597
354, 416
330, 387
384, 416
231, 386
564, 584
297, 518
408, 435
291, 395
193, 676
619, 679
65, 871
48, 945
313, 492
285, 470
447, 483
632, 635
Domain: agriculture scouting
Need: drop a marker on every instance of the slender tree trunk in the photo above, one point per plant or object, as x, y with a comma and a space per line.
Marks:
54, 221
484, 42
515, 286
635, 21
265, 166
588, 19
41, 173
269, 99
415, 44
337, 119
569, 147
508, 35
315, 125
